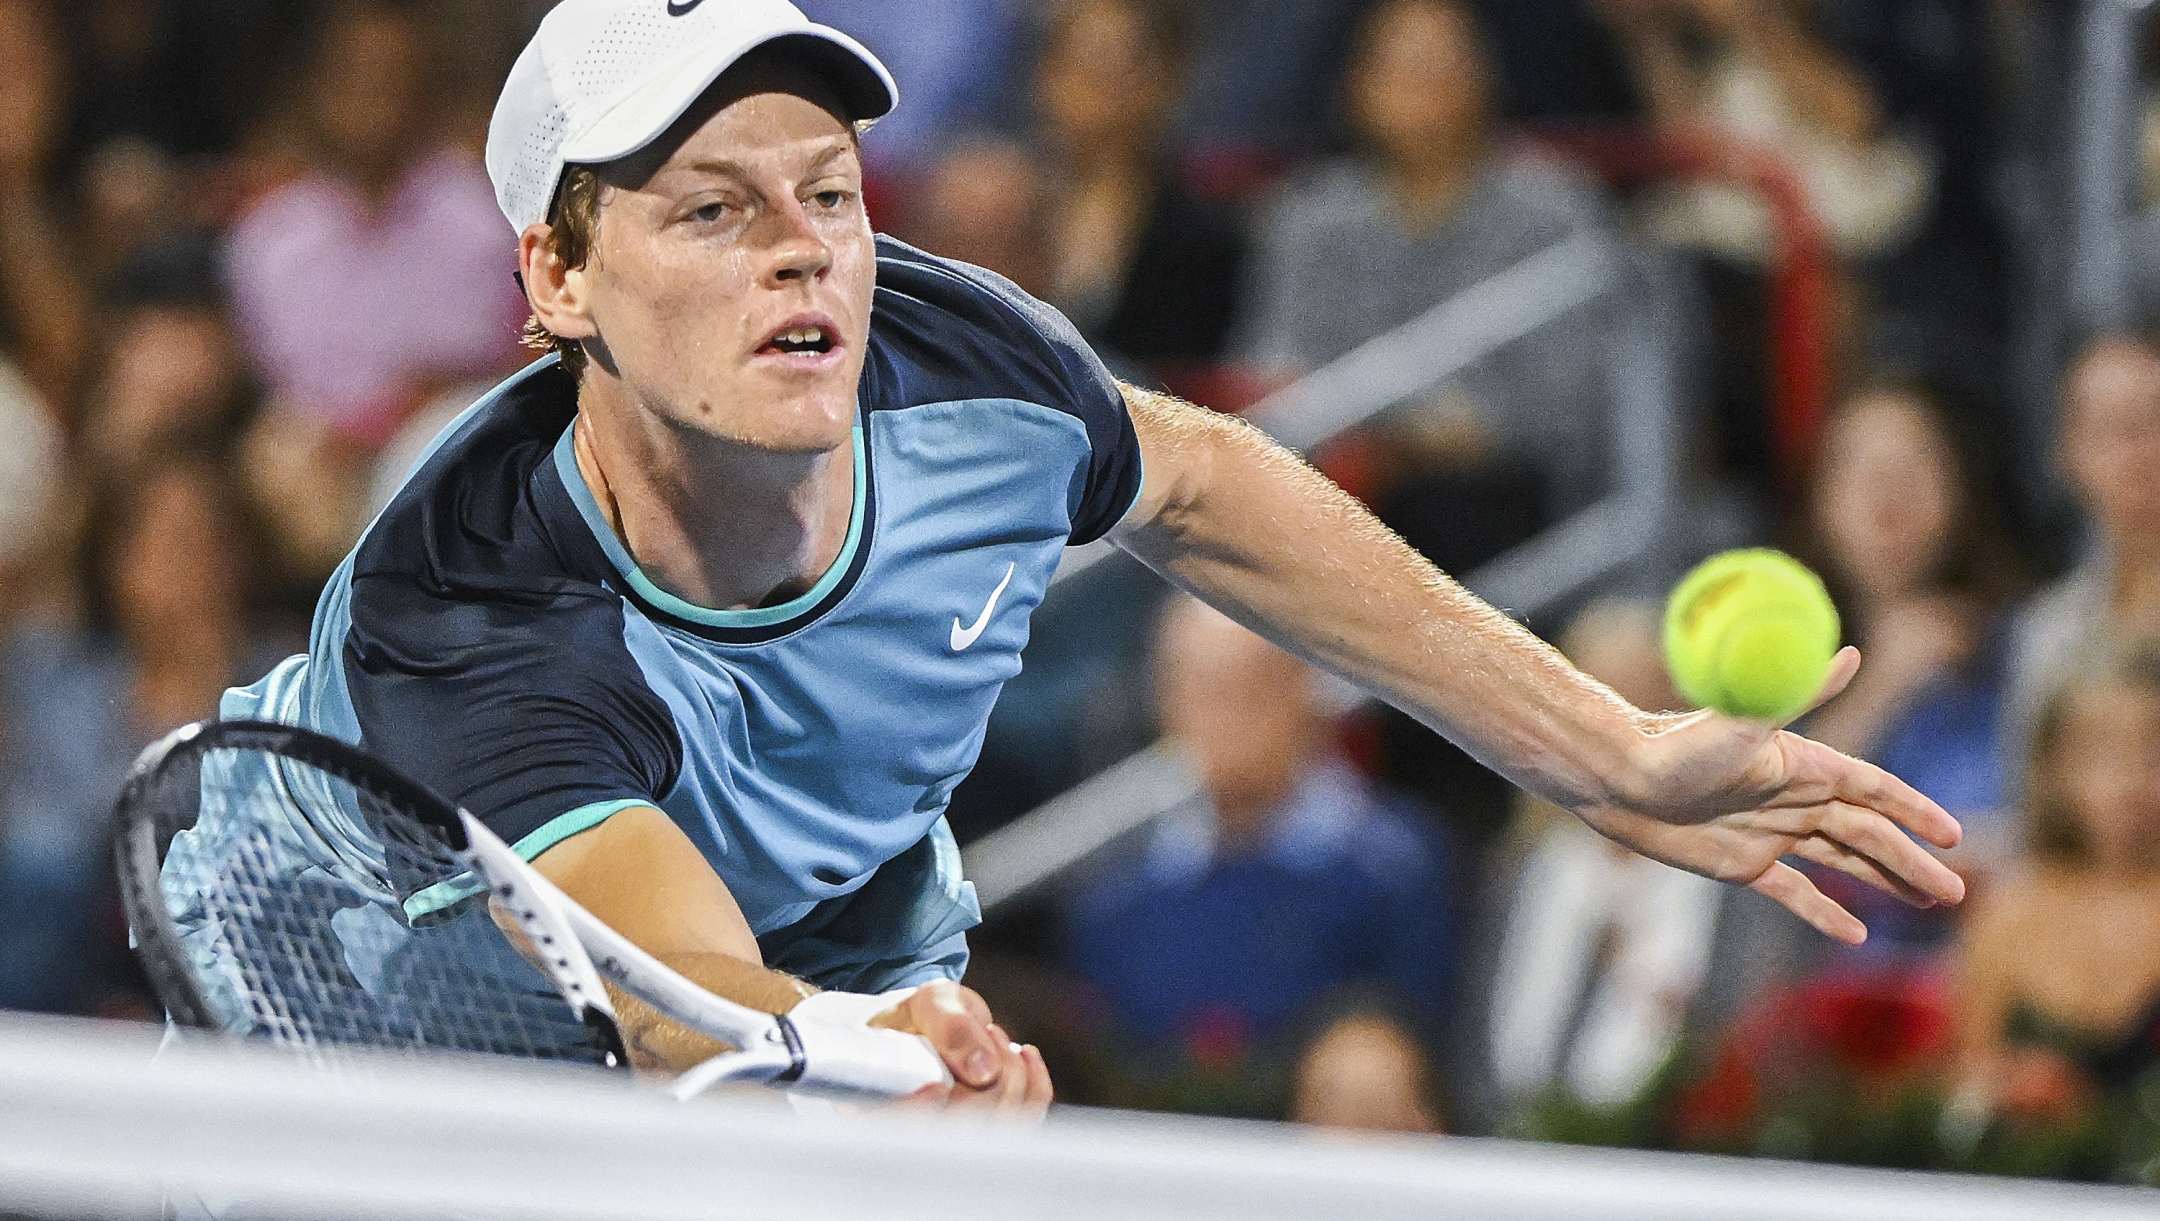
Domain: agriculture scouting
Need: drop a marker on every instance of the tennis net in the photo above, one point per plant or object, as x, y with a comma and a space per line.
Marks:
97, 1122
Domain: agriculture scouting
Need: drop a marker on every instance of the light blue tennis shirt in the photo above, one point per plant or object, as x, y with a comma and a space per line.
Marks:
492, 636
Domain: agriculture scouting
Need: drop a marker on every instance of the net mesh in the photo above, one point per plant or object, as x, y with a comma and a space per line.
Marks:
319, 917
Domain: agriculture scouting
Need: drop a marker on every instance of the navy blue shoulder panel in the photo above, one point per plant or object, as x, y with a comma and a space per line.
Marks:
486, 654
943, 331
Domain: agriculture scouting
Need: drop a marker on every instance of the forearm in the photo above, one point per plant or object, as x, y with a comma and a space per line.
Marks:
1252, 530
642, 877
656, 1042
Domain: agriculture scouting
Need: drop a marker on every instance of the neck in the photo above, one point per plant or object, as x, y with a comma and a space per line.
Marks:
2137, 582
718, 523
1109, 159
1427, 187
1245, 812
175, 685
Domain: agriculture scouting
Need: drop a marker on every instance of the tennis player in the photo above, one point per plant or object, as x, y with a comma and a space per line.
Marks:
706, 613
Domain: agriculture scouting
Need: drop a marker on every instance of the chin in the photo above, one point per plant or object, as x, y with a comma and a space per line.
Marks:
812, 422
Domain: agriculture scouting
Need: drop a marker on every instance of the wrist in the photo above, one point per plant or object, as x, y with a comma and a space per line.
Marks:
783, 1002
1626, 777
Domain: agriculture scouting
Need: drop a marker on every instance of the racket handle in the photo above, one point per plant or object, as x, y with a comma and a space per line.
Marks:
853, 1061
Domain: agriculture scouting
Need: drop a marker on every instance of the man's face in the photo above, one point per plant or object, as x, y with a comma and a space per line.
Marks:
730, 287
1420, 83
2111, 444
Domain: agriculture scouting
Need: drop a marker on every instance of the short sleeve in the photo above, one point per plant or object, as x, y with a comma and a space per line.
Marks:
523, 708
963, 332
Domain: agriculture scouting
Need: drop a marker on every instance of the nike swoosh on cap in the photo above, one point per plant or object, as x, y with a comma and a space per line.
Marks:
964, 638
681, 8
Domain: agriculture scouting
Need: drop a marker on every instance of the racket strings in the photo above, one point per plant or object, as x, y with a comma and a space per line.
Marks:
315, 951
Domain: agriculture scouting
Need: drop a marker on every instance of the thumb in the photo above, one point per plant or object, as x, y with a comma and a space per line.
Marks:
961, 1040
1842, 668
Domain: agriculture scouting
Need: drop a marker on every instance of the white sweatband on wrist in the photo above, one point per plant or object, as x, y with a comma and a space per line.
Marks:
847, 1008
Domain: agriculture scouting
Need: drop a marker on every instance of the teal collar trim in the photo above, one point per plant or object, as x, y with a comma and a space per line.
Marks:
573, 481
450, 892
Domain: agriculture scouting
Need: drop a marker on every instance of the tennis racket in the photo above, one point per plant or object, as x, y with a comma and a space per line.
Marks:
283, 884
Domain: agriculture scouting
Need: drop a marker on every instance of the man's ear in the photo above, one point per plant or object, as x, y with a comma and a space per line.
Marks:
555, 290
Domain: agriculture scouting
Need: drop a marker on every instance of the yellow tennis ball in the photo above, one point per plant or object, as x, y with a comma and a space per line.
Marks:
1751, 633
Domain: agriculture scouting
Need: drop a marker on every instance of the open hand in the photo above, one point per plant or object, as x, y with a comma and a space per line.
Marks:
991, 1073
1729, 799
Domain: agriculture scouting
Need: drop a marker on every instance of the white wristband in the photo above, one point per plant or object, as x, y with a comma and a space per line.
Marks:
846, 1008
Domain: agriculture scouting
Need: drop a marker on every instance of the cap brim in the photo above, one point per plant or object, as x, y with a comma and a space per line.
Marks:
866, 89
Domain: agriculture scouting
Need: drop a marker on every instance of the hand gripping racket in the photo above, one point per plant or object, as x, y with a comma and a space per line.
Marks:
285, 884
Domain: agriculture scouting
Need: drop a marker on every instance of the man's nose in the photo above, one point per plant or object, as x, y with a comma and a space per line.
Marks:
798, 252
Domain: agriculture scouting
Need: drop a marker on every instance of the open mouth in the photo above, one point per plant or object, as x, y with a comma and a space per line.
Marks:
797, 340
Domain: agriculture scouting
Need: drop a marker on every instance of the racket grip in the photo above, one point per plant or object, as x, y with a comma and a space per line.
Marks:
851, 1061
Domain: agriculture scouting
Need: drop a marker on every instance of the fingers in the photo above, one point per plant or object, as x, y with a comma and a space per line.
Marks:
1878, 839
991, 1073
1825, 851
1842, 668
1791, 888
1863, 784
957, 1023
1010, 1093
1022, 1090
1040, 1092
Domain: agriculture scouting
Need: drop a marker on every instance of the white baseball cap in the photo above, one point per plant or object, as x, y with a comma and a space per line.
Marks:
604, 78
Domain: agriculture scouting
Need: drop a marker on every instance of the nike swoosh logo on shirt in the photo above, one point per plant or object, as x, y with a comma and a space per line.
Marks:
964, 638
681, 8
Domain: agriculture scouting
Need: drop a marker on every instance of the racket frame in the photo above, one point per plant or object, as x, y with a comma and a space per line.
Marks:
573, 947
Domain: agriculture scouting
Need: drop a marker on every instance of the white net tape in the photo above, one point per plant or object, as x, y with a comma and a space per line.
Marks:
95, 1124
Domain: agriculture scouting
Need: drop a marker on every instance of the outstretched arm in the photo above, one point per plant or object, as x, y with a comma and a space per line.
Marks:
1242, 523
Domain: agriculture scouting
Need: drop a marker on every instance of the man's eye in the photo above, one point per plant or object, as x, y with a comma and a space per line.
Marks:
830, 199
710, 212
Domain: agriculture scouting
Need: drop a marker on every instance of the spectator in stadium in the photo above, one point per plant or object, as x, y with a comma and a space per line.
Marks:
1364, 1071
1756, 79
162, 633
1431, 205
171, 375
1906, 535
983, 204
1757, 70
954, 59
1935, 67
370, 282
1263, 72
2059, 971
1601, 953
182, 76
44, 310
2110, 448
33, 514
1136, 261
1291, 877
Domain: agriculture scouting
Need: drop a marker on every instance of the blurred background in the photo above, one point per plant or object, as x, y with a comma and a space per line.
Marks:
1571, 292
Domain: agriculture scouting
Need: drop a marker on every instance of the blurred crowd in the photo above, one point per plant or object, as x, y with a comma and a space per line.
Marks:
250, 264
